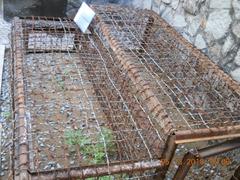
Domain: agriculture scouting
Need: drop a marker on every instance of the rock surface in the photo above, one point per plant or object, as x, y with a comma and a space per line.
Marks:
194, 24
220, 4
236, 74
236, 8
227, 46
200, 42
166, 1
192, 6
236, 28
218, 23
178, 21
175, 4
237, 58
147, 4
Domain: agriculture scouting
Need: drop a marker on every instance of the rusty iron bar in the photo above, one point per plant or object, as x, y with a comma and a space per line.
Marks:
197, 135
87, 172
167, 155
46, 23
204, 153
20, 101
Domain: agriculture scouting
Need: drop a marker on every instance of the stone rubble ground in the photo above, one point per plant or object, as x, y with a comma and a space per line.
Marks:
6, 121
5, 104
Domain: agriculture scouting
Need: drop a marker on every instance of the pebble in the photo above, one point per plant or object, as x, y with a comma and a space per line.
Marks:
52, 165
72, 162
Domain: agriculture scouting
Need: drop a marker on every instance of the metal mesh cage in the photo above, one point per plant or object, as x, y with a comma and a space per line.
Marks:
79, 109
108, 102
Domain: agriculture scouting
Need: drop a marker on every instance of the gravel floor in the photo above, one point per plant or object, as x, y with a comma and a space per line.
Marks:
6, 121
4, 31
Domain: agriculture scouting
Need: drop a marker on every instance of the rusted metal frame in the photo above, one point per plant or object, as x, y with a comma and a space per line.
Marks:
126, 61
146, 92
39, 51
91, 71
104, 92
96, 171
12, 74
204, 153
46, 23
167, 156
125, 90
181, 136
18, 54
196, 135
2, 52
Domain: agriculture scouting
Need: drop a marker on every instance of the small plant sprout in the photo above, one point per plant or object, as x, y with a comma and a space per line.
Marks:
7, 115
60, 82
92, 148
66, 72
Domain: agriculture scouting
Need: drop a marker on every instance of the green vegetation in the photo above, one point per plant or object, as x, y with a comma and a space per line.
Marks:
92, 148
7, 115
102, 178
61, 84
111, 177
66, 72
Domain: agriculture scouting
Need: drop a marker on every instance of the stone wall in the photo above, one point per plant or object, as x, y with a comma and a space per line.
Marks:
73, 5
211, 25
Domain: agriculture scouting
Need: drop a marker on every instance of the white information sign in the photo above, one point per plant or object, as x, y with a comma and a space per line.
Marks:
84, 17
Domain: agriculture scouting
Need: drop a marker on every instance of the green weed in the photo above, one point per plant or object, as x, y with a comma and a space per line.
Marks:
92, 148
7, 115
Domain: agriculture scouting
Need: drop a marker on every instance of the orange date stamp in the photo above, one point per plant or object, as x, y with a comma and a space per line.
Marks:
213, 161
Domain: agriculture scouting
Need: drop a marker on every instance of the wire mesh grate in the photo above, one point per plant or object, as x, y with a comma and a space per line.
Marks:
80, 109
106, 102
194, 97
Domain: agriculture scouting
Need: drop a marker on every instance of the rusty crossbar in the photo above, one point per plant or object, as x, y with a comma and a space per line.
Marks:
113, 102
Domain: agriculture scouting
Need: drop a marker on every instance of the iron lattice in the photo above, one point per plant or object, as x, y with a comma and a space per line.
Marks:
111, 101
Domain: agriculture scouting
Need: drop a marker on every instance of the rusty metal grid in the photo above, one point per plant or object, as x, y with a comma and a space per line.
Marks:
196, 98
133, 86
75, 108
